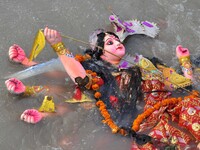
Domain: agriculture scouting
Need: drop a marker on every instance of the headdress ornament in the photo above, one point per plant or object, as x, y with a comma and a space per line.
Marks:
93, 38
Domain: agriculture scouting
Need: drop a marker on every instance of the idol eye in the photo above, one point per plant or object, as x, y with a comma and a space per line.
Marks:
110, 43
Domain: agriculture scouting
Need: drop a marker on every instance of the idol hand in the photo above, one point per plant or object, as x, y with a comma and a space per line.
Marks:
52, 36
31, 116
15, 86
16, 54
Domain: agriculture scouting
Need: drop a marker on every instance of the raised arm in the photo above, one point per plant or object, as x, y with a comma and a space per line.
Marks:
72, 66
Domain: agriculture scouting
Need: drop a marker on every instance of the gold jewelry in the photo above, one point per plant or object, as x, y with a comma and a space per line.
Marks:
29, 91
32, 90
186, 65
184, 59
60, 48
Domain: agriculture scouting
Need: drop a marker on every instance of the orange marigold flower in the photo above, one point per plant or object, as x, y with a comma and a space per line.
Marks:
95, 86
97, 94
143, 116
99, 103
94, 74
79, 58
88, 71
173, 101
123, 132
164, 102
135, 128
109, 122
107, 117
103, 111
104, 121
102, 107
139, 120
195, 93
95, 80
151, 110
157, 106
170, 102
146, 114
114, 130
179, 99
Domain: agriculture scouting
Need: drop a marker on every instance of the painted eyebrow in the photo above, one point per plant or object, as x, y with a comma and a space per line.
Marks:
108, 39
112, 39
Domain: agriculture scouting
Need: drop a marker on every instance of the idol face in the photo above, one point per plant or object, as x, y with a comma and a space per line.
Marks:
112, 45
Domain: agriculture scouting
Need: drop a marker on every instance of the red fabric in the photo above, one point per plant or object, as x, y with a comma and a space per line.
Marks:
150, 97
77, 94
187, 114
168, 134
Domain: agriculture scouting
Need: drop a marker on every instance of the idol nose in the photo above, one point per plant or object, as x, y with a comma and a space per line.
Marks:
118, 43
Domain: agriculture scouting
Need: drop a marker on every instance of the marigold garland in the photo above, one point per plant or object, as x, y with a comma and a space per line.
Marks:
97, 94
82, 58
96, 83
194, 94
94, 74
165, 102
79, 58
95, 80
89, 71
107, 119
136, 123
149, 111
95, 87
